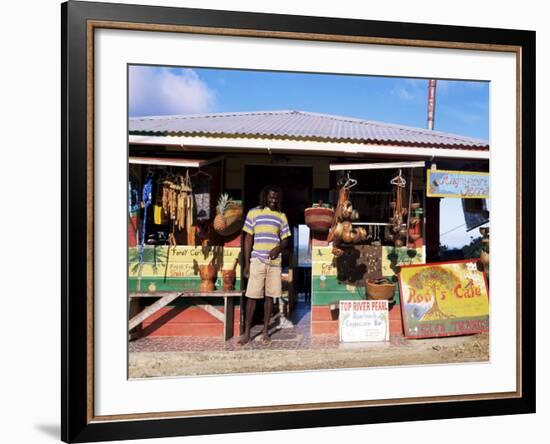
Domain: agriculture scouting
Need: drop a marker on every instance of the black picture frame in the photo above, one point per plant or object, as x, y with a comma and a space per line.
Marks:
78, 423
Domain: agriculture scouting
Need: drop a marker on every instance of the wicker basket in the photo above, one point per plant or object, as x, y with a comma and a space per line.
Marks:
319, 218
379, 291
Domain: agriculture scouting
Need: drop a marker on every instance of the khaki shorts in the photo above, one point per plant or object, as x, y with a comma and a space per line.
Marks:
263, 278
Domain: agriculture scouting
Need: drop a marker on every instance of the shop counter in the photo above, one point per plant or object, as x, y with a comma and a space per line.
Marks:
198, 298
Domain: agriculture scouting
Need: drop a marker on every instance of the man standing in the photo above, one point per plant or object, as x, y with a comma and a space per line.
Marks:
266, 236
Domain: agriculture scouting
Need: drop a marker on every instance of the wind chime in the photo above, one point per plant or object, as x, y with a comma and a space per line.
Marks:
177, 204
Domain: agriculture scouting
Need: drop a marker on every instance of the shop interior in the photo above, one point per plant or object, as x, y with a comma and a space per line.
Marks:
198, 182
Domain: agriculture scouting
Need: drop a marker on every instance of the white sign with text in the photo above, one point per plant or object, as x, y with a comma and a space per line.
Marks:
364, 321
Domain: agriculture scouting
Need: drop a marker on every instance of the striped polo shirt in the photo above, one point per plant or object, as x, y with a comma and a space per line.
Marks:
268, 228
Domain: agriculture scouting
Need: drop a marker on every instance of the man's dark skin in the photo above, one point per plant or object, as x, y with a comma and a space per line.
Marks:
272, 204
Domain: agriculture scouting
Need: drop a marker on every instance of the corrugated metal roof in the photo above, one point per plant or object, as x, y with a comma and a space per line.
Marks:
298, 125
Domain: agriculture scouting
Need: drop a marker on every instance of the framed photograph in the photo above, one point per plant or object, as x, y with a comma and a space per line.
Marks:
275, 222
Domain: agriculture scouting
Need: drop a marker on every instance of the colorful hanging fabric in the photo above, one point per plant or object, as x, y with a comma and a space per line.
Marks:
146, 199
133, 196
133, 209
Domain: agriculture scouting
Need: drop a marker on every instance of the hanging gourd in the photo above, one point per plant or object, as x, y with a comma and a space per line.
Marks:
342, 228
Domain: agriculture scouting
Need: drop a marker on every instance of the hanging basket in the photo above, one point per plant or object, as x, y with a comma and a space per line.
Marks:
380, 289
319, 219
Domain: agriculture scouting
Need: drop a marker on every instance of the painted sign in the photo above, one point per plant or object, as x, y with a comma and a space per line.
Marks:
323, 261
165, 268
444, 299
461, 184
364, 321
180, 261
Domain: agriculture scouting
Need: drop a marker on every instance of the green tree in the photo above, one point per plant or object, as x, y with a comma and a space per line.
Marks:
433, 280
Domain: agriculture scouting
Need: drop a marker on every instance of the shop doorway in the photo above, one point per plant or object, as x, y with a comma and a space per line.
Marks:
296, 183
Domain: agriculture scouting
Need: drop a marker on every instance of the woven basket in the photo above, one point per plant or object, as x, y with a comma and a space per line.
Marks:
319, 218
377, 291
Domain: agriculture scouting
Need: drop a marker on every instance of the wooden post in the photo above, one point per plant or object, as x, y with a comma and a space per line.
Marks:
229, 318
243, 283
409, 206
134, 308
432, 228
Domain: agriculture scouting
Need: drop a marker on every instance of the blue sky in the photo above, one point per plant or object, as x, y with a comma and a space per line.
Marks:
462, 107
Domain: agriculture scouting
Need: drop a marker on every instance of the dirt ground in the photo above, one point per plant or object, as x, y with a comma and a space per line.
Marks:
473, 348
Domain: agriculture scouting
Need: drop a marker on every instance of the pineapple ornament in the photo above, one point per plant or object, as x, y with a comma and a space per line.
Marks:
229, 216
220, 222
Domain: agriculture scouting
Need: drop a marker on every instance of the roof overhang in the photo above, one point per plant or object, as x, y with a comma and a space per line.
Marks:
376, 166
161, 161
274, 145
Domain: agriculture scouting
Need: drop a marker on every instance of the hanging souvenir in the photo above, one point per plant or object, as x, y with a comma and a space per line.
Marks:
399, 210
342, 228
201, 194
160, 217
229, 216
176, 203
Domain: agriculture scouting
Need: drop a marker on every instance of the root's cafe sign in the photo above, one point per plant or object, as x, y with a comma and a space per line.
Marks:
443, 299
461, 184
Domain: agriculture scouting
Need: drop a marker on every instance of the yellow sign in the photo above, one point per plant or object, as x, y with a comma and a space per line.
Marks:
444, 299
180, 261
322, 262
462, 184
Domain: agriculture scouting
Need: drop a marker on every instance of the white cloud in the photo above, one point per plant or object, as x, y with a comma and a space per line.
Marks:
416, 83
402, 93
161, 91
409, 89
464, 115
443, 85
457, 86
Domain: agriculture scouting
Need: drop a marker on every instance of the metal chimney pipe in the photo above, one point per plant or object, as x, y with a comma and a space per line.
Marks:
431, 103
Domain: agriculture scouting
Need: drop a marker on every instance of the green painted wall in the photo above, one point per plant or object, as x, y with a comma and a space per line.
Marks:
327, 289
